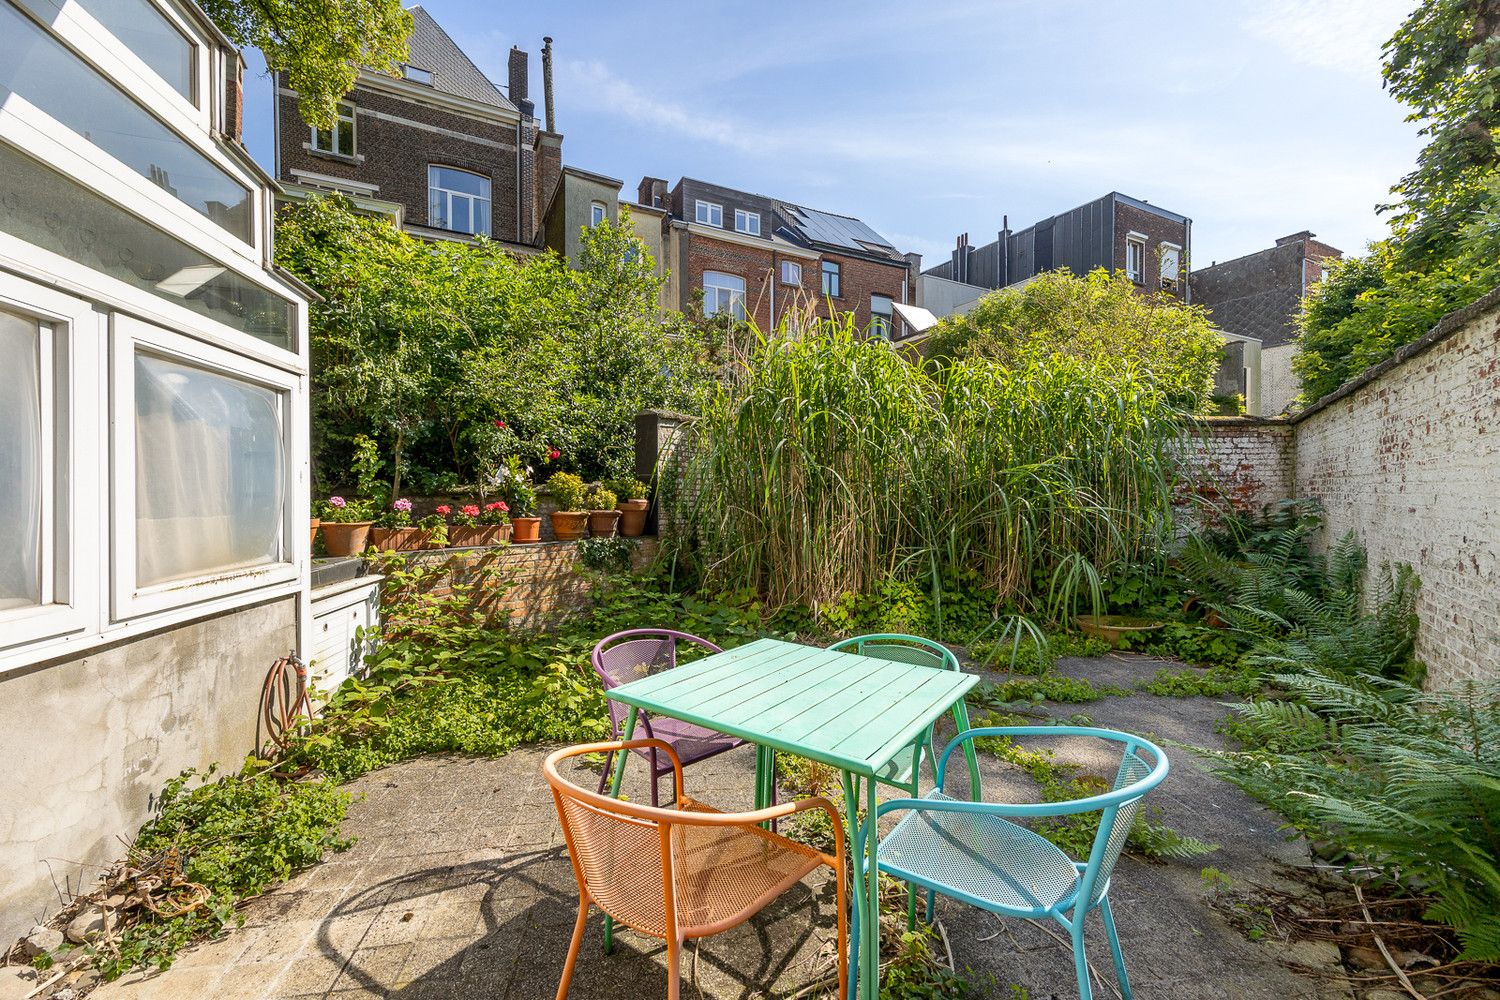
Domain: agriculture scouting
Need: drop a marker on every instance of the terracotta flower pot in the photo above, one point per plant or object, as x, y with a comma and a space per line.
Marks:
406, 539
346, 538
525, 529
494, 534
602, 523
1114, 628
569, 525
462, 537
633, 517
312, 536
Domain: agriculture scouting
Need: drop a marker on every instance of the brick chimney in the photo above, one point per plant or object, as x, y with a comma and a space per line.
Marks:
234, 98
1295, 238
652, 192
520, 77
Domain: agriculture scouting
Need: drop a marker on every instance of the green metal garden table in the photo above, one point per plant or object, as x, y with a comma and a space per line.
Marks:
853, 713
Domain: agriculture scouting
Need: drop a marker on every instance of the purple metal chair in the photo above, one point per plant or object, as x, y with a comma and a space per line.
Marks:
636, 653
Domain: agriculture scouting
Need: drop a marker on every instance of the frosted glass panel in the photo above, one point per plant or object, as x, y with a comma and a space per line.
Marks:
20, 461
209, 473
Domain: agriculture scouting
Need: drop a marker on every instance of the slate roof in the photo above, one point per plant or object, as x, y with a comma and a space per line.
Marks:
844, 233
452, 72
1256, 295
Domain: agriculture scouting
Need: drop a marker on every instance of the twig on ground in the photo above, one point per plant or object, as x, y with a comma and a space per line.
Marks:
1384, 951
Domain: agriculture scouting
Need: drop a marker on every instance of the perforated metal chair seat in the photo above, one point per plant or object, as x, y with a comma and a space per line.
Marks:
986, 859
691, 742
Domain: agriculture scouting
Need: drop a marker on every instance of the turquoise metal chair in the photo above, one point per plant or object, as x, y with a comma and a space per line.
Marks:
972, 852
905, 772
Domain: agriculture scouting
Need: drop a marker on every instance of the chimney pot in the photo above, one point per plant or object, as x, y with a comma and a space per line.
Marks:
520, 73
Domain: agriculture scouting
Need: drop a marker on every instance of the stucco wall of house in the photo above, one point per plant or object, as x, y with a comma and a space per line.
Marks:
107, 731
1408, 458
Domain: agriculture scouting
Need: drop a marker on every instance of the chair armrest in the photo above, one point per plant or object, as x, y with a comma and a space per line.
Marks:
1128, 741
780, 811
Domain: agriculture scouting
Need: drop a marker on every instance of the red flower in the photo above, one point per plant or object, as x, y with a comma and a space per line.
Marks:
443, 509
497, 505
500, 424
471, 510
553, 455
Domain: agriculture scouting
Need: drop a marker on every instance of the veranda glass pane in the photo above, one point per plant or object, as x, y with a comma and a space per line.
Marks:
44, 208
20, 462
38, 68
209, 472
154, 39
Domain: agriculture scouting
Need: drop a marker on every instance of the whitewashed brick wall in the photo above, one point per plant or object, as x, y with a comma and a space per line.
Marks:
1408, 457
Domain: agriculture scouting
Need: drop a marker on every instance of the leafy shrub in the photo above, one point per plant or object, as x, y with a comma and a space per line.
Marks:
600, 498
568, 491
1402, 779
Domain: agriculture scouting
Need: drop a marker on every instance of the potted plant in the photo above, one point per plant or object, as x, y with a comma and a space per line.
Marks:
495, 520
312, 536
571, 519
514, 483
433, 529
602, 514
633, 506
394, 532
463, 528
346, 525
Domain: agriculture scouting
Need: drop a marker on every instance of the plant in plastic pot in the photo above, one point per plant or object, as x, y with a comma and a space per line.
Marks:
494, 519
571, 519
394, 532
464, 530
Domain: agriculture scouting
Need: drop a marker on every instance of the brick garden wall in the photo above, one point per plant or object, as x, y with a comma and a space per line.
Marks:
1407, 457
526, 585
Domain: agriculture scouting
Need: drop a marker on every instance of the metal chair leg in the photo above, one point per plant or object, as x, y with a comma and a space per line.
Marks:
674, 972
1114, 947
609, 768
655, 782
573, 946
1080, 960
931, 904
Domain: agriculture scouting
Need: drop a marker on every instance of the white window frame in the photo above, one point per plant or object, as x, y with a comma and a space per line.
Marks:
791, 267
705, 213
489, 203
742, 222
882, 324
129, 336
338, 123
1170, 280
1137, 243
598, 213
72, 451
423, 79
735, 295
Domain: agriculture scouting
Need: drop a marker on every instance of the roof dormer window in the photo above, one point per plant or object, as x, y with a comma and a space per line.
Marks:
417, 75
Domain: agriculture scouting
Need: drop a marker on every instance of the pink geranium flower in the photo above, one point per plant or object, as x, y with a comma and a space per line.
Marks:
471, 510
338, 502
443, 509
403, 505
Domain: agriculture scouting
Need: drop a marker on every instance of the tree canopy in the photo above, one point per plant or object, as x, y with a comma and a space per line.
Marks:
1099, 315
431, 347
320, 44
1444, 248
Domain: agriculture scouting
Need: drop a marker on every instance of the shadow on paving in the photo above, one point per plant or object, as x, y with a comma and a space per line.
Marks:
459, 886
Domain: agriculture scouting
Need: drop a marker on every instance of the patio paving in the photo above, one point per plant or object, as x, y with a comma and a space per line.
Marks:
459, 886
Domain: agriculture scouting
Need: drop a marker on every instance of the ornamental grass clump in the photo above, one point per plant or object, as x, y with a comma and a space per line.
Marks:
831, 463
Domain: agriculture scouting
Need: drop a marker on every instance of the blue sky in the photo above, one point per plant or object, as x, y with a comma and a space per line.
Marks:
1257, 119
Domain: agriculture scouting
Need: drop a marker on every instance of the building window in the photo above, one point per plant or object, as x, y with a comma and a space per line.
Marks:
1135, 259
746, 222
1171, 265
832, 285
152, 37
791, 272
339, 139
723, 293
25, 345
209, 473
710, 214
458, 201
597, 213
880, 316
47, 74
417, 75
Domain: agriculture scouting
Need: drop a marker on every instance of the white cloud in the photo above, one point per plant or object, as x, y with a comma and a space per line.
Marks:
591, 84
1344, 36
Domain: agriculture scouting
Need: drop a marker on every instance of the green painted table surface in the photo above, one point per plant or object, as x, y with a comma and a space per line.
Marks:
855, 713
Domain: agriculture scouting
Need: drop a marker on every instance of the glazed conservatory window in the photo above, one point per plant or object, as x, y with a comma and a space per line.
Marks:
723, 293
38, 68
22, 464
209, 472
458, 200
152, 36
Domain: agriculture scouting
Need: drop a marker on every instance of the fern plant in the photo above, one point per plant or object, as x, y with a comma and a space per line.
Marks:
1403, 779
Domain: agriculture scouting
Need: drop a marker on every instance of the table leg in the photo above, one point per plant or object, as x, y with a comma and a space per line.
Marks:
869, 979
857, 878
961, 722
614, 792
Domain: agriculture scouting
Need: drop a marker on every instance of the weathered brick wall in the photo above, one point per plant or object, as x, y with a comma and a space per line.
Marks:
1409, 459
526, 585
1244, 460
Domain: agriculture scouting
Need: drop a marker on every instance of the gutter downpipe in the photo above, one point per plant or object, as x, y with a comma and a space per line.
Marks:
1187, 252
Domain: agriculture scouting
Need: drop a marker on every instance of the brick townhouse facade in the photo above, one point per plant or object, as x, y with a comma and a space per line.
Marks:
761, 259
440, 149
1150, 244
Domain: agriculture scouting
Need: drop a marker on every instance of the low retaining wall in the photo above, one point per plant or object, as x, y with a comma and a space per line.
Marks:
1407, 456
526, 585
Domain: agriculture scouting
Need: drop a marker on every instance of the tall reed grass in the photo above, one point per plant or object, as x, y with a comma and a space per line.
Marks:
829, 462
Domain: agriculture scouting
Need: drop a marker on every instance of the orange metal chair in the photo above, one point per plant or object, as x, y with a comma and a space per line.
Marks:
684, 872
